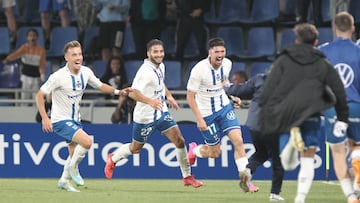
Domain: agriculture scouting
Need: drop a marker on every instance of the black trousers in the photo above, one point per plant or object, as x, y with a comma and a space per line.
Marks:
266, 147
187, 25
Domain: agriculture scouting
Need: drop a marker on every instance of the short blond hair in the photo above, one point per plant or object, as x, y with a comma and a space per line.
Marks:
71, 44
343, 21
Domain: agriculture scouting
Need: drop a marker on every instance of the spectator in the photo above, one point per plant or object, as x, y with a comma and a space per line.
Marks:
8, 6
115, 76
33, 59
239, 77
46, 7
146, 24
337, 6
112, 16
85, 13
303, 10
190, 22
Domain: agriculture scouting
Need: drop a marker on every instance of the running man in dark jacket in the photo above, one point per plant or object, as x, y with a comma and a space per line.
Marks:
300, 85
266, 146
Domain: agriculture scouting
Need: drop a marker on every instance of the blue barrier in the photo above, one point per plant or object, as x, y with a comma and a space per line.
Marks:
25, 151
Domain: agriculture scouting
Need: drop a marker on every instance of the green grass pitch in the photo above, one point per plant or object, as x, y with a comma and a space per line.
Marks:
157, 191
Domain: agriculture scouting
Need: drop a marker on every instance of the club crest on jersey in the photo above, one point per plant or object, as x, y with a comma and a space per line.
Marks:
231, 115
168, 118
218, 77
78, 84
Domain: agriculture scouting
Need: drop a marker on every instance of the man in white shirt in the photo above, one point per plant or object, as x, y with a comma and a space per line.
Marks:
151, 113
213, 111
66, 87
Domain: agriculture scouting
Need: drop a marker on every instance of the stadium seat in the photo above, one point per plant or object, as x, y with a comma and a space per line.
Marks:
229, 11
237, 66
263, 11
189, 67
99, 67
128, 47
191, 48
259, 67
260, 43
89, 39
234, 39
173, 76
59, 36
30, 13
325, 11
168, 38
21, 36
10, 75
48, 69
354, 10
131, 67
325, 35
287, 37
4, 41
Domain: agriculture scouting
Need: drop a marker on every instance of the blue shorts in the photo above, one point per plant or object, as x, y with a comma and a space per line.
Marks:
141, 132
67, 129
51, 5
310, 133
353, 131
220, 124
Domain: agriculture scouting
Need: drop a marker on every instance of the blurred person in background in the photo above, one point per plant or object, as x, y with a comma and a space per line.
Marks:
32, 59
191, 21
146, 24
239, 77
49, 7
113, 16
8, 6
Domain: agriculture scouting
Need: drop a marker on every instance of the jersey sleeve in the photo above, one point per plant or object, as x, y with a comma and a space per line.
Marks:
93, 80
194, 80
50, 84
140, 80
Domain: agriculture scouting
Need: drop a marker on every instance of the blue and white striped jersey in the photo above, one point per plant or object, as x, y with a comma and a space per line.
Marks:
67, 90
207, 82
149, 80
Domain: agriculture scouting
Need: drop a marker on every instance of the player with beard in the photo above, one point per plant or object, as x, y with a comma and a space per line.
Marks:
213, 110
151, 113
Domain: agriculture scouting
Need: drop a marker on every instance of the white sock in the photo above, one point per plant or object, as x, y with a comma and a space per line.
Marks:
305, 177
121, 153
196, 151
183, 162
78, 156
241, 163
347, 189
289, 157
65, 176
